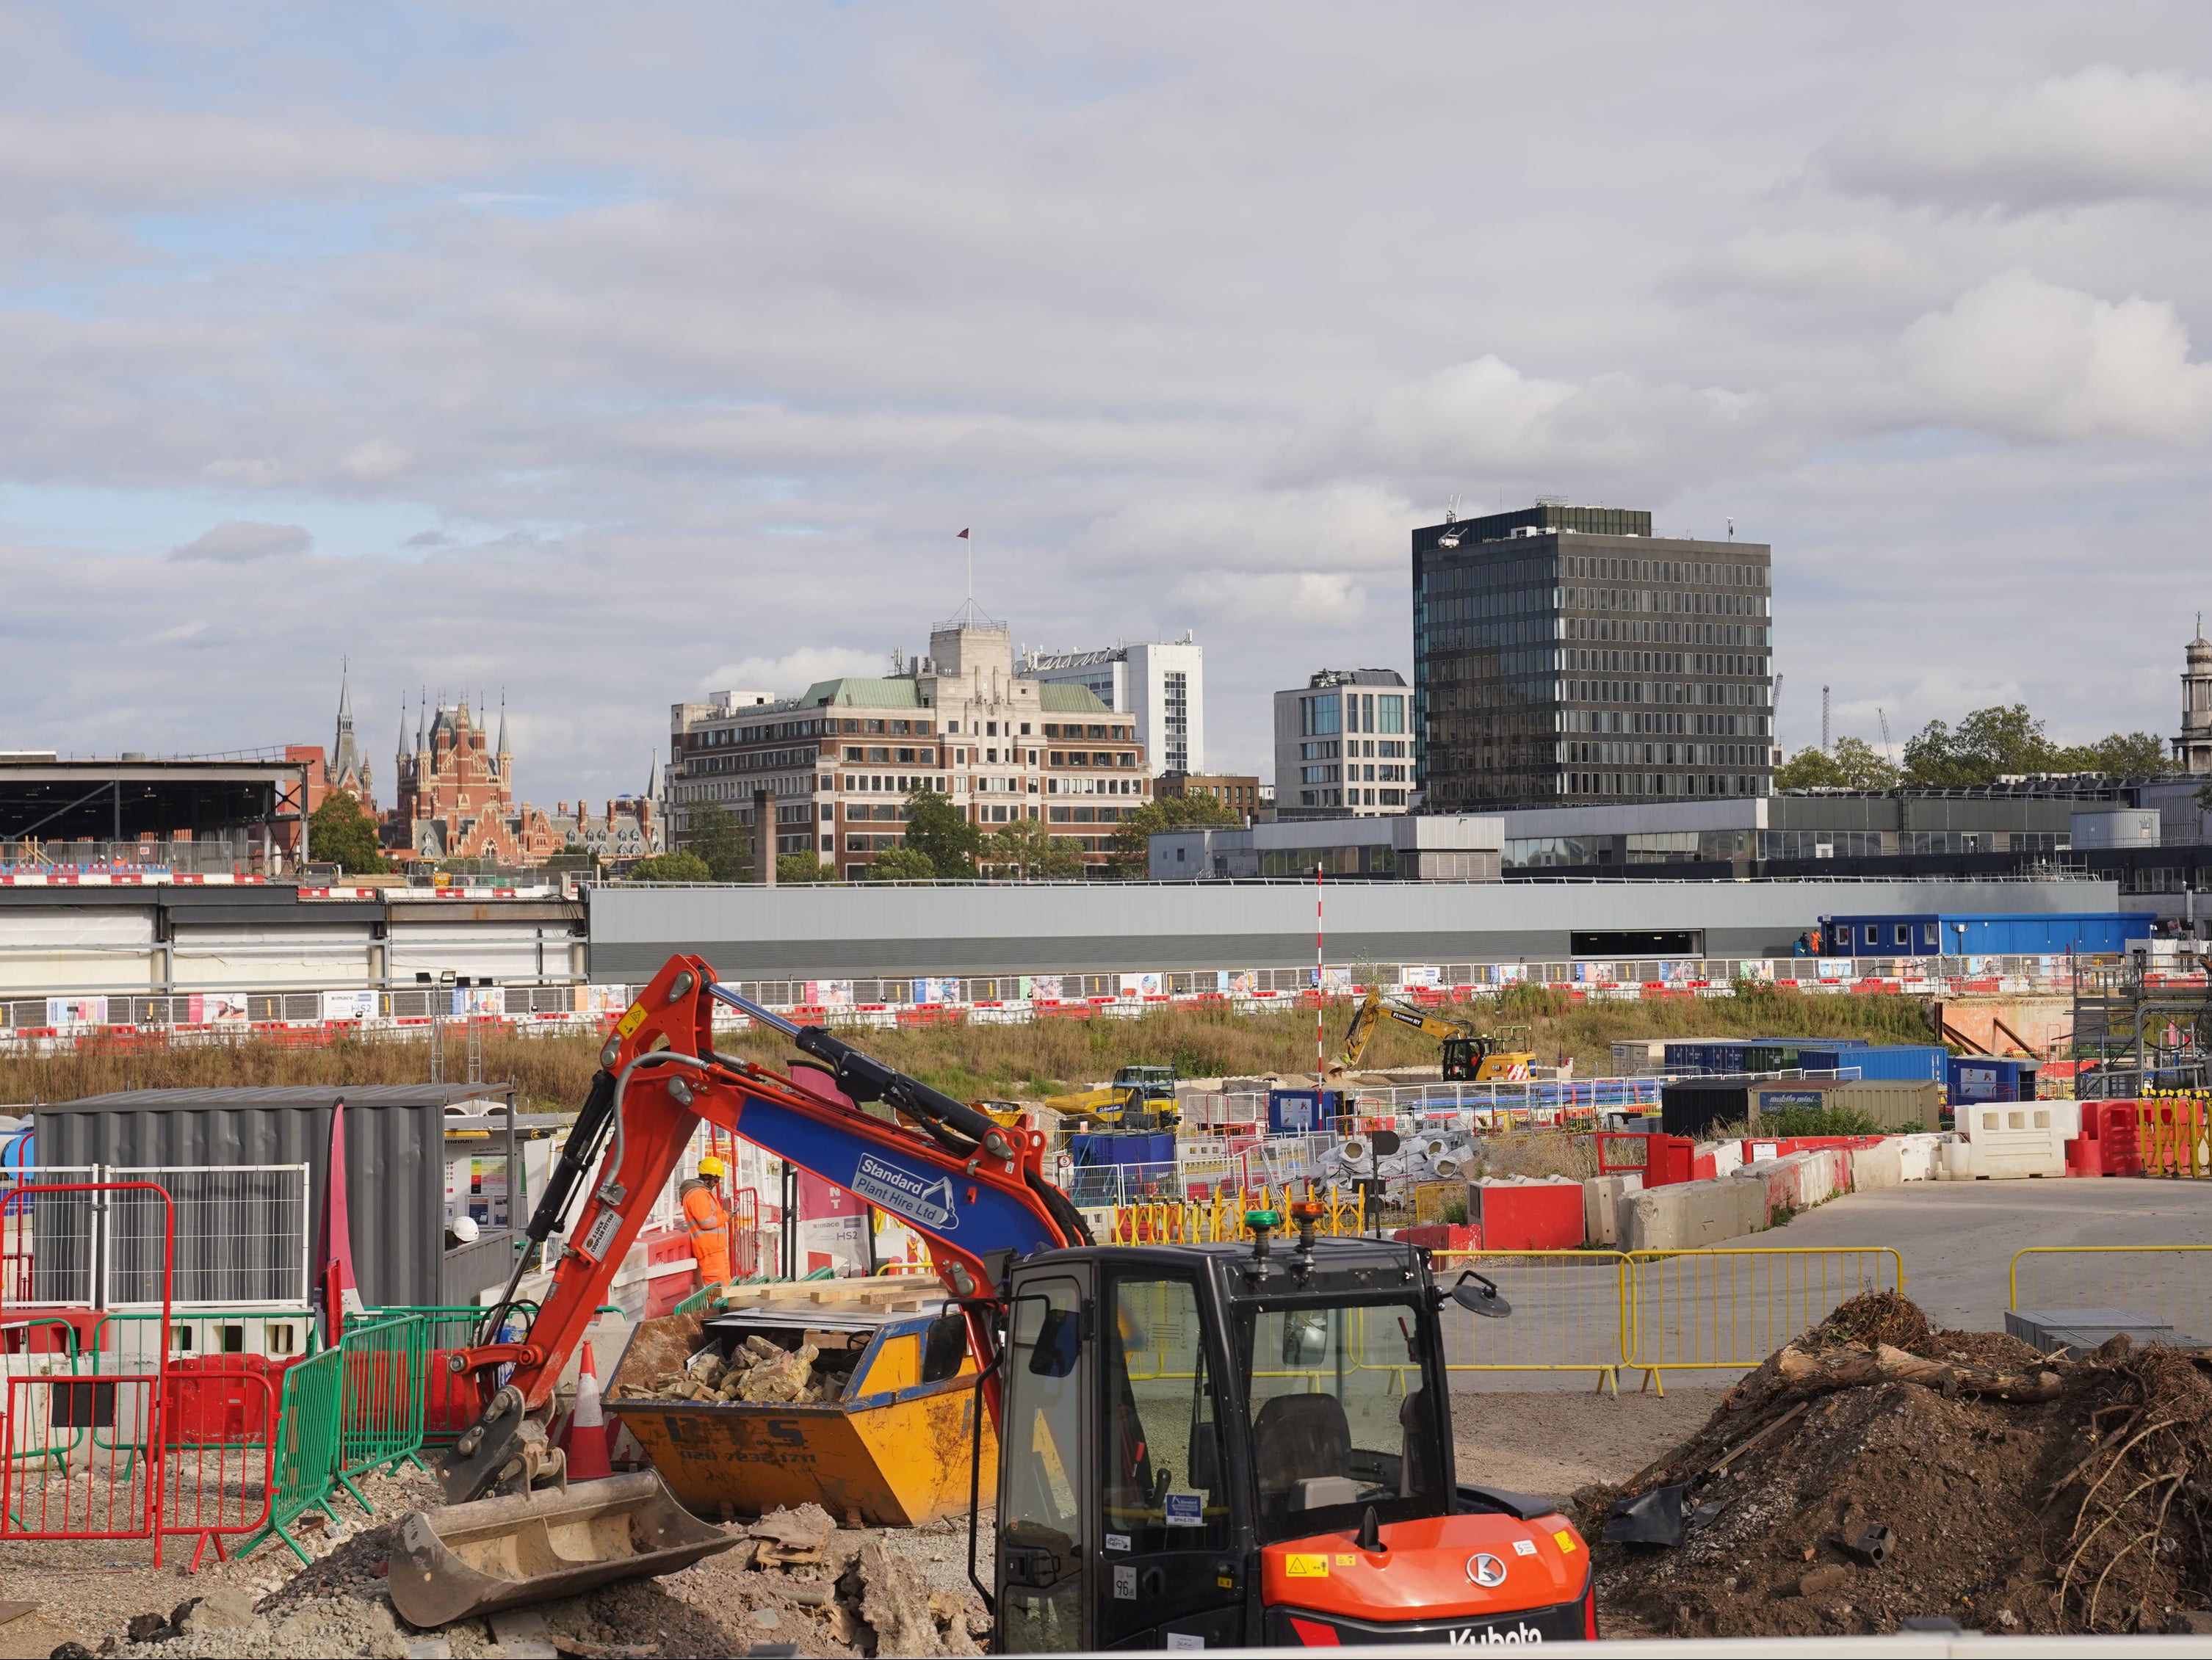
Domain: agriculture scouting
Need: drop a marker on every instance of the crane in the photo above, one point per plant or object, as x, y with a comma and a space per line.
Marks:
1306, 1418
1469, 1053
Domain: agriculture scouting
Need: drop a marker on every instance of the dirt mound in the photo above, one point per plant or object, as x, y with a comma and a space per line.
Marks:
2020, 1493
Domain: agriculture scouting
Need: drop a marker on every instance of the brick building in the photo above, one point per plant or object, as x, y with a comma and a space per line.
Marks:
840, 758
628, 829
456, 794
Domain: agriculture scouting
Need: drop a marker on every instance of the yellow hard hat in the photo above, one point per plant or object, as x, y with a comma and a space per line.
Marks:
710, 1165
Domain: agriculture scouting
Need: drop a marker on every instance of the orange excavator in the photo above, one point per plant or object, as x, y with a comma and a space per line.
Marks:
1221, 1445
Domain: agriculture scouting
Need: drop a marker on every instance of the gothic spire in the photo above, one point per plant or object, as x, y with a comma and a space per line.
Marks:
502, 727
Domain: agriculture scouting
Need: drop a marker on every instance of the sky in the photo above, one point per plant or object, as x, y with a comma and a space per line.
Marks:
596, 359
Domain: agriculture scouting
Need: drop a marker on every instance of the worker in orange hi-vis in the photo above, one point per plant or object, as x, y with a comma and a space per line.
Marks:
707, 1222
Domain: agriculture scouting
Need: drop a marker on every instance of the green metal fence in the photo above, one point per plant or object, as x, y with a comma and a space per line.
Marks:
306, 1448
386, 1365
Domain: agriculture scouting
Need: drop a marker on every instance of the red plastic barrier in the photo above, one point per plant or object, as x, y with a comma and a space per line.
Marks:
2110, 1143
1672, 1158
1542, 1216
1781, 1147
1443, 1236
217, 1400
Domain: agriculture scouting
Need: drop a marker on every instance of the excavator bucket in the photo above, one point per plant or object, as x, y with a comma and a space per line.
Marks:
467, 1560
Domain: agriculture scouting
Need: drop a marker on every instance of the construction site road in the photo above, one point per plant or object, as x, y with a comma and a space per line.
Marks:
1958, 1238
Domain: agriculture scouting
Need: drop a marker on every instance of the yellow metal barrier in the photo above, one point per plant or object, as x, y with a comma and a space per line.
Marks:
2171, 1134
1692, 1311
1221, 1218
1569, 1313
2171, 1284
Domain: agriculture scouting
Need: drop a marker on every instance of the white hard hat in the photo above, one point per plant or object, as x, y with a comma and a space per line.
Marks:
464, 1229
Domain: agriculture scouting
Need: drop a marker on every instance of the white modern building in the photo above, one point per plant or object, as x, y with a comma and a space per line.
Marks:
1162, 686
1344, 745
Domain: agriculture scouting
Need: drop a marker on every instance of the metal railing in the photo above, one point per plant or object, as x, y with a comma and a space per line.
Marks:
2168, 1285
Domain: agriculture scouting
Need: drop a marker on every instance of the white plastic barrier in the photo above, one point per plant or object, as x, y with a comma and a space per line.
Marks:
2009, 1139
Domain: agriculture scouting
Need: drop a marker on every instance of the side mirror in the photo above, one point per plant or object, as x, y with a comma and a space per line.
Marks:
1059, 1343
1481, 1298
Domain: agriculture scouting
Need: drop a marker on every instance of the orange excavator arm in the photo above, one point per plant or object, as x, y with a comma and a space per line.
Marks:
974, 1189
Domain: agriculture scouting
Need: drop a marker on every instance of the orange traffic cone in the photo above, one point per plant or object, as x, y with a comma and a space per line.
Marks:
588, 1425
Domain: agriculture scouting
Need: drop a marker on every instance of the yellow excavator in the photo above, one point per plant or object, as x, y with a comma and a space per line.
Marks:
1469, 1055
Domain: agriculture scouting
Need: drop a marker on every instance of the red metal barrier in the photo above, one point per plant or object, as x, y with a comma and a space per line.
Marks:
1619, 1150
220, 1460
81, 1456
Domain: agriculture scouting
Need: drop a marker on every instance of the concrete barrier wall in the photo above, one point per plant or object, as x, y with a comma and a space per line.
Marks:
1881, 1164
1690, 1216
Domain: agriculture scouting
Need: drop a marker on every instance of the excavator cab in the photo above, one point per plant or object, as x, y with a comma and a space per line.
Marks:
1227, 1446
1463, 1058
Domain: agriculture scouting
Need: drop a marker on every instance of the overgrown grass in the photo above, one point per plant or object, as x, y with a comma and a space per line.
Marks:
989, 1060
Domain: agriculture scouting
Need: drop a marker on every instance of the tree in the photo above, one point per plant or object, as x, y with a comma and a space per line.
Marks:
1133, 841
339, 833
940, 832
2123, 755
1854, 765
718, 840
1025, 850
679, 866
797, 869
1988, 744
901, 864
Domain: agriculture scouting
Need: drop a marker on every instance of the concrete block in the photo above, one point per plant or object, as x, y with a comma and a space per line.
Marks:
1691, 1215
1602, 1197
1881, 1164
1727, 1157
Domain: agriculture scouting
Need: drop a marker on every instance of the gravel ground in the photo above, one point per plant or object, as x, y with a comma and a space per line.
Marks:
269, 1608
1550, 1442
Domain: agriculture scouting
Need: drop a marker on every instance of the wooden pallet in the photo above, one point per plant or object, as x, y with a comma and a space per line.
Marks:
906, 1294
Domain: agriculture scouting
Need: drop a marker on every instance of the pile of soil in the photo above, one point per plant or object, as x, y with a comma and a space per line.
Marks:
2021, 1491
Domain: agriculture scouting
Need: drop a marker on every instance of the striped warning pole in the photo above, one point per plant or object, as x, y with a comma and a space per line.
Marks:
1320, 1052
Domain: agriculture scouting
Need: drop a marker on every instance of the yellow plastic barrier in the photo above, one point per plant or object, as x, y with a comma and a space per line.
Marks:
2171, 1284
1569, 1313
1691, 1311
1221, 1218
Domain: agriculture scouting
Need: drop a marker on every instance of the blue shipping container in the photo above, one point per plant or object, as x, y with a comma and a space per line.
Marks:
1901, 1062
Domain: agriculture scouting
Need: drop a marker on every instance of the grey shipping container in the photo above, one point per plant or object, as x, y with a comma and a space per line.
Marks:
395, 1167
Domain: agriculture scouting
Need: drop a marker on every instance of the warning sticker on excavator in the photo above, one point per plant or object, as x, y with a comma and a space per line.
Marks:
600, 1235
1306, 1567
1564, 1540
631, 1020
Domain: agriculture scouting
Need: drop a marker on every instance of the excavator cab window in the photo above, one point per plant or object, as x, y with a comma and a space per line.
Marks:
1341, 1416
1166, 1505
1044, 1481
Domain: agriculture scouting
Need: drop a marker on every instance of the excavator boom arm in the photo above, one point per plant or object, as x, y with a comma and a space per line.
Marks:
972, 1189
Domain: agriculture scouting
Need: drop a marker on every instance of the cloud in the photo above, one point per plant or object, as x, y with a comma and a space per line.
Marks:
1488, 419
2100, 134
2028, 359
432, 538
240, 541
374, 461
788, 675
1803, 262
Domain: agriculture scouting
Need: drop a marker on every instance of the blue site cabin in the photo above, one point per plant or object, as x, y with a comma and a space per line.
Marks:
1985, 934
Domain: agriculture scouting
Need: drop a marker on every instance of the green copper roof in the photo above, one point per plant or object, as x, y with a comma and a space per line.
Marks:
1058, 698
857, 692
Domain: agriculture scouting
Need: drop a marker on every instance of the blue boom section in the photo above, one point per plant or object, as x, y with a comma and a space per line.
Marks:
973, 1215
